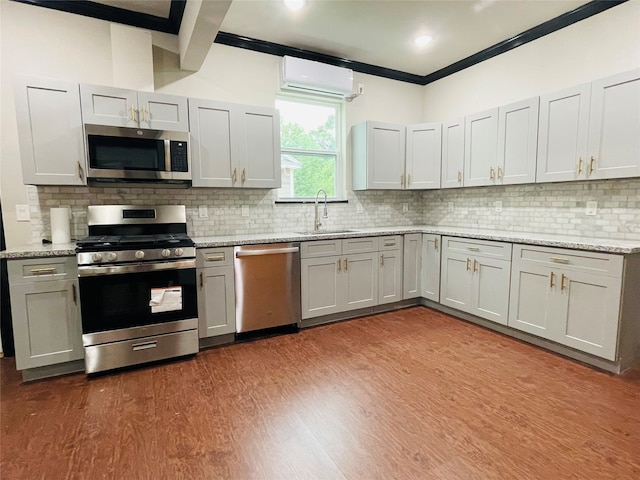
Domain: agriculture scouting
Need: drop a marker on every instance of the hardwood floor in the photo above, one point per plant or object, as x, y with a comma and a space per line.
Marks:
402, 395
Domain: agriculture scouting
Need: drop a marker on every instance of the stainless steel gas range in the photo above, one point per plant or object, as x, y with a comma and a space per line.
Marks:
137, 279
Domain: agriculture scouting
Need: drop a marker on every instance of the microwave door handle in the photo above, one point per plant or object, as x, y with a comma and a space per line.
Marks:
167, 156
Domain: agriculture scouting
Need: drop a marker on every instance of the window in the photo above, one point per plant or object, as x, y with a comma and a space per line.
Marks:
310, 140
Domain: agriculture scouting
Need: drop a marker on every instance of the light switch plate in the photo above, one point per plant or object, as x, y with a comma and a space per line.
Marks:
203, 211
592, 208
22, 213
405, 207
498, 205
450, 207
245, 210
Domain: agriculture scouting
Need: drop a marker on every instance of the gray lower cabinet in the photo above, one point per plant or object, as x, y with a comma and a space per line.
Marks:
337, 283
475, 277
46, 311
411, 275
569, 297
216, 292
430, 269
390, 281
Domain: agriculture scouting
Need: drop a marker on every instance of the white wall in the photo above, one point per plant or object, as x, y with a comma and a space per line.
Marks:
599, 46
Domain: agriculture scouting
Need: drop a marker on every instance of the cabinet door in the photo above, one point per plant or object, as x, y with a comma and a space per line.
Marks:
452, 153
109, 106
490, 293
390, 276
480, 148
614, 127
517, 142
216, 301
430, 272
562, 135
321, 289
424, 156
163, 112
50, 132
360, 281
385, 156
533, 304
589, 319
456, 281
212, 149
412, 266
46, 323
259, 146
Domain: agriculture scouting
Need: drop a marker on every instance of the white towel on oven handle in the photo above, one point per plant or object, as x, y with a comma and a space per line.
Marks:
166, 299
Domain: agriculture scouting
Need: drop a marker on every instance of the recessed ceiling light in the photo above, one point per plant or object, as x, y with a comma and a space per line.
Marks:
294, 5
422, 40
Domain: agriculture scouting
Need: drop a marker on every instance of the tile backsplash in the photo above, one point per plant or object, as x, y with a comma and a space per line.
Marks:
544, 208
554, 208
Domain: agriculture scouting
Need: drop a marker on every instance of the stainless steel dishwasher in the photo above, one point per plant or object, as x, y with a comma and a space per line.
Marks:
267, 285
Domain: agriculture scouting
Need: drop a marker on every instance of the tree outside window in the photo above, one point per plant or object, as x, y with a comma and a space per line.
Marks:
309, 139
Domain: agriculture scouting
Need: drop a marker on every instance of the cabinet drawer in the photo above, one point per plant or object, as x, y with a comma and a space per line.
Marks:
593, 262
320, 248
478, 248
359, 245
391, 242
214, 257
39, 269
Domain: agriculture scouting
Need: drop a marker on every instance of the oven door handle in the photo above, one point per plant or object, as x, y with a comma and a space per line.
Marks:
89, 271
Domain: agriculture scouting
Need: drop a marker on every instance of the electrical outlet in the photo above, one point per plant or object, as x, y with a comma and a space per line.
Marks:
405, 207
498, 205
203, 212
359, 208
592, 208
22, 213
245, 210
450, 207
361, 89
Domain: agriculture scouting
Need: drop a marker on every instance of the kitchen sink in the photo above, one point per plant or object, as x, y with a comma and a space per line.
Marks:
325, 232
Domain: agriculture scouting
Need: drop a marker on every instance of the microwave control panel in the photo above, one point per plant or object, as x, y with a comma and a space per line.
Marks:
178, 151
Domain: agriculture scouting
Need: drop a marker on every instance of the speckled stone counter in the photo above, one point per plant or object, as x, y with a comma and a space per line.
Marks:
559, 241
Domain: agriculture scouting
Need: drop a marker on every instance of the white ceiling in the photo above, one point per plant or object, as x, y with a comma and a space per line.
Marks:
381, 32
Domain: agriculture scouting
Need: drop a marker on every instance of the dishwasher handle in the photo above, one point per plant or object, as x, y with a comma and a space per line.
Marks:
266, 251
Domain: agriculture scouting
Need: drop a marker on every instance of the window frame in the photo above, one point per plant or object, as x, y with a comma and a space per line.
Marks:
341, 168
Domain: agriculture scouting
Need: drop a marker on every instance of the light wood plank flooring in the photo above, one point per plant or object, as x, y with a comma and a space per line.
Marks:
413, 394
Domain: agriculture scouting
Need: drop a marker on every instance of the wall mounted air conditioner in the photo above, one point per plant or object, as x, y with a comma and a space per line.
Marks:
315, 77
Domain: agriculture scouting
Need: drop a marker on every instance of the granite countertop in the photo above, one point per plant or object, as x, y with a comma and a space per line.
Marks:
560, 241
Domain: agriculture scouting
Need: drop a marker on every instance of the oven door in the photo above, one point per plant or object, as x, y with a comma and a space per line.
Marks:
120, 302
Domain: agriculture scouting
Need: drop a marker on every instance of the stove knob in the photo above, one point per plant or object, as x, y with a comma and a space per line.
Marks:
96, 257
111, 256
165, 252
179, 252
139, 255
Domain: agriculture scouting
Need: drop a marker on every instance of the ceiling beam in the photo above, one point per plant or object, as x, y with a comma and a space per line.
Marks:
200, 24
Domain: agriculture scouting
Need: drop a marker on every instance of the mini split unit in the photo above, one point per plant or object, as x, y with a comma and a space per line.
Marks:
306, 76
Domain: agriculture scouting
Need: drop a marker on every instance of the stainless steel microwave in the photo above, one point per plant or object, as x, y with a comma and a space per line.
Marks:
137, 155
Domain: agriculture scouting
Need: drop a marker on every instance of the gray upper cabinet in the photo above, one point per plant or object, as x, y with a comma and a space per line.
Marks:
517, 142
562, 135
480, 148
452, 153
614, 127
423, 156
378, 151
234, 145
102, 105
50, 131
46, 311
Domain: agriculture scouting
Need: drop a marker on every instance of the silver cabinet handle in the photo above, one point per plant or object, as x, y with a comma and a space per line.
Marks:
473, 249
564, 261
435, 244
43, 271
389, 243
215, 258
266, 251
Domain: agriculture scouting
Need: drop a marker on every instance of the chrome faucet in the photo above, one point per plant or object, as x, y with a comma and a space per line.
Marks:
317, 224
